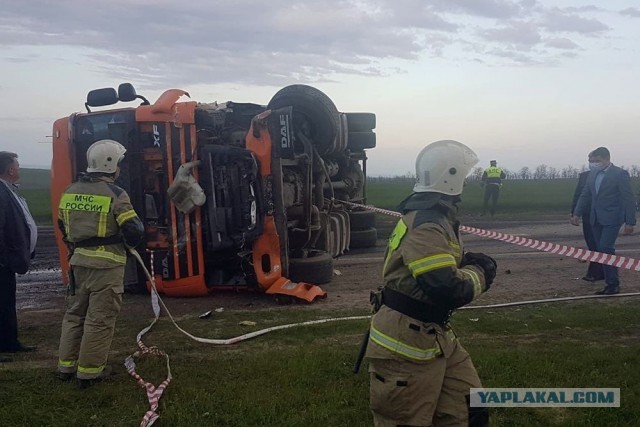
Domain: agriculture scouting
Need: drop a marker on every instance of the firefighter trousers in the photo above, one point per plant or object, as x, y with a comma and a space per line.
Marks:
89, 322
436, 393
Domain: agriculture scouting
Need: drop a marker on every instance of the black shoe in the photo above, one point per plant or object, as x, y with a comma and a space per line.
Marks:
85, 383
65, 376
19, 348
589, 278
609, 290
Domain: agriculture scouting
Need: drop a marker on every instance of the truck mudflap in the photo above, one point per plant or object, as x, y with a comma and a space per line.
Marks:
268, 268
303, 291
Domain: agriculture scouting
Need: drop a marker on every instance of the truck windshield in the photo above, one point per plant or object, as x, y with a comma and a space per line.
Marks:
118, 125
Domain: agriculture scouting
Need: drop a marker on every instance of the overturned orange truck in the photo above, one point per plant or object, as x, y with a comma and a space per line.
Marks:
274, 186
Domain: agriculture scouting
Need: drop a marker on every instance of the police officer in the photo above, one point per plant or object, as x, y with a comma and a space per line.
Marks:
419, 373
98, 223
492, 181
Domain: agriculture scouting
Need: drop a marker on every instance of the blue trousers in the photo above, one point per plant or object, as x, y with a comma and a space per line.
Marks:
606, 236
595, 270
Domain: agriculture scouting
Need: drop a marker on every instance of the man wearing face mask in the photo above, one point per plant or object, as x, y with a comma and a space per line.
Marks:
420, 375
608, 192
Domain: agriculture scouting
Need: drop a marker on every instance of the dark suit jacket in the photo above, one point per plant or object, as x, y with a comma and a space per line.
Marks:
14, 234
613, 204
582, 181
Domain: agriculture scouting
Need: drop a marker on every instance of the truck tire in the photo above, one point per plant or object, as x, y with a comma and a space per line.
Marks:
364, 238
357, 141
361, 122
362, 220
316, 269
312, 110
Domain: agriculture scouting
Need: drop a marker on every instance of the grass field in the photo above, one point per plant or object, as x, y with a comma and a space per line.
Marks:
518, 198
302, 376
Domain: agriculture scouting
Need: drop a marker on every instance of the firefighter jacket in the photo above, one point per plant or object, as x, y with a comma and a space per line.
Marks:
97, 220
493, 175
423, 273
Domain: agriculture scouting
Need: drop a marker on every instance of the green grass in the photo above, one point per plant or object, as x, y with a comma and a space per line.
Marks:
517, 197
35, 185
39, 201
35, 179
302, 376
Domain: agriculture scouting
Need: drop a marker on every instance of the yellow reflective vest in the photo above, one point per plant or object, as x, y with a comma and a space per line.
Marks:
493, 175
95, 208
422, 262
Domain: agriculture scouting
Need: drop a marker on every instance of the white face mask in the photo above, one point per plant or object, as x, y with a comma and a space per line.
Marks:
596, 166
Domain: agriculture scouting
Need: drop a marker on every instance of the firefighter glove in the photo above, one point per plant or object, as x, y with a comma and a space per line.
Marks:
488, 265
375, 298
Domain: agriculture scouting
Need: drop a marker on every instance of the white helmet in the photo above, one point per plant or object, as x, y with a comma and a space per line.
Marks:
442, 166
104, 156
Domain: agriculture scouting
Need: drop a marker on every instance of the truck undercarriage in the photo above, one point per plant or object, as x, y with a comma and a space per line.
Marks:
271, 182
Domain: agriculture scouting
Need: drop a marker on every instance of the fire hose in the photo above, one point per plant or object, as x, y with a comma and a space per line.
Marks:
154, 393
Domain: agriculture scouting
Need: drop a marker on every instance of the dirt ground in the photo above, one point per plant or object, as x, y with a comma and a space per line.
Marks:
523, 274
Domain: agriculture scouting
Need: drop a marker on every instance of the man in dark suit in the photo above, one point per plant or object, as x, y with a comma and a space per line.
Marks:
595, 271
608, 190
18, 234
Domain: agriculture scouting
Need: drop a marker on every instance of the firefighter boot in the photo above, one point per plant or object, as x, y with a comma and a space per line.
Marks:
85, 383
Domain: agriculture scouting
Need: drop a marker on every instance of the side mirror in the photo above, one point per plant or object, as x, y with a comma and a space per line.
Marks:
127, 93
101, 97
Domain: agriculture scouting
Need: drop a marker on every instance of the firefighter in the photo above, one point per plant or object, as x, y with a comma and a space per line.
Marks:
492, 181
419, 373
98, 223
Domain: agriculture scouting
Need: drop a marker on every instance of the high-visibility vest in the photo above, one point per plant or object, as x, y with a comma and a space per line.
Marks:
92, 210
494, 172
422, 242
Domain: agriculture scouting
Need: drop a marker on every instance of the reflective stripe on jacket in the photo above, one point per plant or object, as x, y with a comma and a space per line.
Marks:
422, 261
95, 207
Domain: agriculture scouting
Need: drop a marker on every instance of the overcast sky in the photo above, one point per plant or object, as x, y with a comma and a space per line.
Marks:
522, 81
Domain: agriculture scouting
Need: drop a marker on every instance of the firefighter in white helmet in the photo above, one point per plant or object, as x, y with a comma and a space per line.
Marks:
419, 373
98, 223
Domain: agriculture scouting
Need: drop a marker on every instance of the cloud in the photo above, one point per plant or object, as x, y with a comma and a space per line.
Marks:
557, 20
561, 43
162, 42
587, 8
631, 11
517, 33
481, 8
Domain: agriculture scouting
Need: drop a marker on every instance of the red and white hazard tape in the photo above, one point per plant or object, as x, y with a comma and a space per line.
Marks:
153, 393
554, 248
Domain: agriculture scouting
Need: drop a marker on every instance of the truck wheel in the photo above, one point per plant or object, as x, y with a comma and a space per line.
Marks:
362, 220
364, 238
357, 141
316, 269
314, 114
361, 122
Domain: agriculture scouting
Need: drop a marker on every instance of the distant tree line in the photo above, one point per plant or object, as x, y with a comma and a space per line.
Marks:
539, 172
